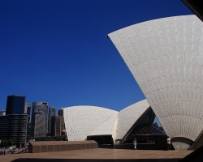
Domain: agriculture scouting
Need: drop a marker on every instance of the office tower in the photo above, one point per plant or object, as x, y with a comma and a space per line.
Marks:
15, 104
17, 131
16, 120
57, 124
29, 133
60, 112
27, 108
39, 119
2, 113
4, 127
52, 112
14, 126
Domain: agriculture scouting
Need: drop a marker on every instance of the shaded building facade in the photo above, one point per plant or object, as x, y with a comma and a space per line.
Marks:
27, 109
2, 113
14, 126
39, 126
15, 104
60, 112
57, 125
52, 112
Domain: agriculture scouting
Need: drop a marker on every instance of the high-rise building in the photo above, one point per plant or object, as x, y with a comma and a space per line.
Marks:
52, 112
57, 125
27, 108
14, 126
15, 104
39, 126
2, 113
4, 127
60, 112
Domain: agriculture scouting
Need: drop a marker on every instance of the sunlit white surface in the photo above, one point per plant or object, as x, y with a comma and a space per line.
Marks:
81, 121
128, 116
165, 56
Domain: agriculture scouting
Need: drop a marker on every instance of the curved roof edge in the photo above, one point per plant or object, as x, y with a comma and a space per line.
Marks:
128, 116
81, 121
71, 107
165, 58
146, 21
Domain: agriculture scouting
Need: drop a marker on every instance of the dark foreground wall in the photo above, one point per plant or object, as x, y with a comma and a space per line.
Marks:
196, 156
52, 146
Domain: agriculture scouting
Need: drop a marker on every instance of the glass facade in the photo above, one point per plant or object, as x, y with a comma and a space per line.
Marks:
52, 112
2, 113
39, 126
15, 105
60, 112
56, 126
14, 127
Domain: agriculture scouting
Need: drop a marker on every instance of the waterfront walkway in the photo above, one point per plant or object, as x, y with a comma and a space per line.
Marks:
98, 154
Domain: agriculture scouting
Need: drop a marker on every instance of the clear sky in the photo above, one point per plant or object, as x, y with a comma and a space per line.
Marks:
56, 51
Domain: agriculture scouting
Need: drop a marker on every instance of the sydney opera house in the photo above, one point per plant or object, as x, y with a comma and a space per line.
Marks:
165, 57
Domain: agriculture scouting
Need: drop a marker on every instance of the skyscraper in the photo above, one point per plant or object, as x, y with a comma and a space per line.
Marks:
60, 112
39, 119
15, 104
27, 108
14, 126
15, 123
52, 112
2, 113
57, 124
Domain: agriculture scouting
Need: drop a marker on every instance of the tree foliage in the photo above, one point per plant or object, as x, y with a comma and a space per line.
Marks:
10, 142
6, 143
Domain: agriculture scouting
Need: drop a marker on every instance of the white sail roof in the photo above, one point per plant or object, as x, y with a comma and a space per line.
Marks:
165, 56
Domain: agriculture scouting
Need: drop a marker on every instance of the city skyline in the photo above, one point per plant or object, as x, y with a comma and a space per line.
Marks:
56, 51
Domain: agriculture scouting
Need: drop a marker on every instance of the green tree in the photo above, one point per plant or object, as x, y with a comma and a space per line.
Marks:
10, 142
4, 143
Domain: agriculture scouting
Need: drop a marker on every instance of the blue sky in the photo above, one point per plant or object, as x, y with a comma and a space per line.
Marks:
56, 50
